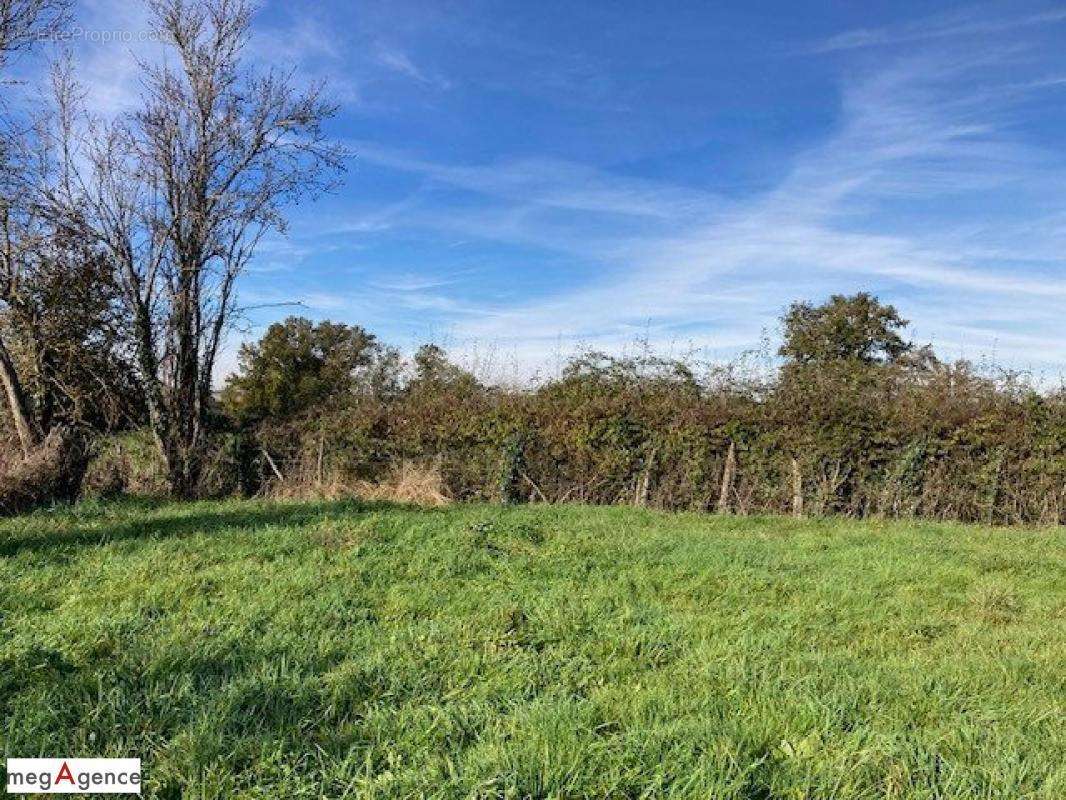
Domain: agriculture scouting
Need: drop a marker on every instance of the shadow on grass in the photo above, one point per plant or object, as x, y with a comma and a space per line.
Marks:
90, 526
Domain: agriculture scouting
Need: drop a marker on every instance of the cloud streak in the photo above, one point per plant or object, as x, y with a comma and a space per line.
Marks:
718, 271
946, 27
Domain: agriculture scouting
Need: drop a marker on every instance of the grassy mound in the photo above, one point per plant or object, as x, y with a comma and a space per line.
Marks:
330, 650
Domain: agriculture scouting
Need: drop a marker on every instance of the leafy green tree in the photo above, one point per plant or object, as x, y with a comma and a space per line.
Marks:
856, 328
829, 410
298, 366
432, 369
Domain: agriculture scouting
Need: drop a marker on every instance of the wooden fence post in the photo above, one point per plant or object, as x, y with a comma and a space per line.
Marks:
797, 489
728, 474
640, 496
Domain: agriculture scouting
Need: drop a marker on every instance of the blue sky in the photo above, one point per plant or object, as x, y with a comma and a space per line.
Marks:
531, 179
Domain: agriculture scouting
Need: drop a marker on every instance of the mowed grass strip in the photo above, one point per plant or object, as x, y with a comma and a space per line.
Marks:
246, 649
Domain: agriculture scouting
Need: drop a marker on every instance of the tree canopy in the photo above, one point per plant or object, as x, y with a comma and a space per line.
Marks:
298, 365
845, 328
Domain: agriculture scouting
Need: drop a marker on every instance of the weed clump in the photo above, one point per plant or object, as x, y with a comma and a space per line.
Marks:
995, 603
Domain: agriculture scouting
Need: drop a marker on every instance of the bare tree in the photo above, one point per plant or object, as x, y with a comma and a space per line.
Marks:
15, 246
179, 194
22, 23
37, 260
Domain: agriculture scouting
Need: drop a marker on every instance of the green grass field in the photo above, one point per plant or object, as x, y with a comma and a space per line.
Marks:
246, 649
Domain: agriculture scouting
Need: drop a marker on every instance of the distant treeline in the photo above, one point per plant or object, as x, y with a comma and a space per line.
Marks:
856, 421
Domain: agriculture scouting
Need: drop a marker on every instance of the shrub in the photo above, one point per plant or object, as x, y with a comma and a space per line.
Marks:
52, 473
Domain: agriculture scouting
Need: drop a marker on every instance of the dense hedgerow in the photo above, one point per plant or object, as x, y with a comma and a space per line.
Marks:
857, 421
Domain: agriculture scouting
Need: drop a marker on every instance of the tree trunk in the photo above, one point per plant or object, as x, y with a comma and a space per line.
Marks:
175, 416
18, 403
184, 466
728, 473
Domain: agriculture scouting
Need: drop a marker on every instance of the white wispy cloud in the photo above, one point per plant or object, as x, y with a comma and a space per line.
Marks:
412, 282
399, 61
716, 273
549, 182
983, 21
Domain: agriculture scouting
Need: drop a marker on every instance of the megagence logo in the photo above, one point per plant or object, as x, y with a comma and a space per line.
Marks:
74, 776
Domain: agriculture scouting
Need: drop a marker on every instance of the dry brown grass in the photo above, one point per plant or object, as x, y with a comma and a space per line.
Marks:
409, 483
51, 473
